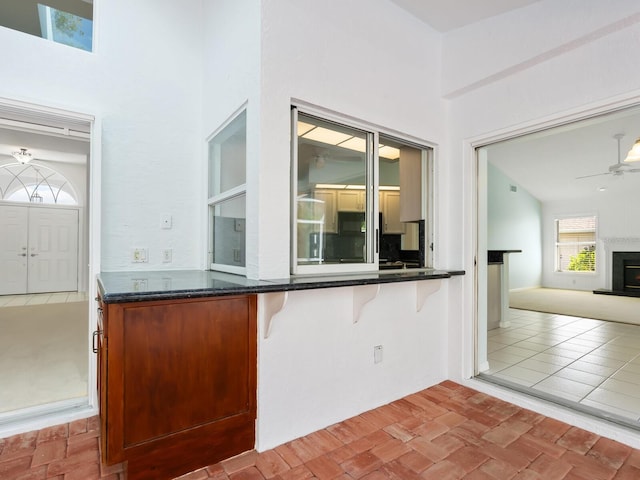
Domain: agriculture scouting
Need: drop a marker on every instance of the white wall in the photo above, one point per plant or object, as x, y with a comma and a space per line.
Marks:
515, 223
232, 82
145, 88
618, 229
372, 61
316, 366
583, 65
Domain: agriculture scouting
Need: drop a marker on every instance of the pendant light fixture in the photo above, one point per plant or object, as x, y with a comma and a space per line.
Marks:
22, 156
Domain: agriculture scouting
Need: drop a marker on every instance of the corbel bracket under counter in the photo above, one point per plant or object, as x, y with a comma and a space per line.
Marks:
272, 304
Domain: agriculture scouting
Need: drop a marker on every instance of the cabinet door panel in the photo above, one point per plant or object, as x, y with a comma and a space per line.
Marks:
184, 365
351, 201
178, 384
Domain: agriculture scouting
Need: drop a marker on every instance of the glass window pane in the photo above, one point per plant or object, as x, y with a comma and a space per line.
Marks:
402, 216
65, 27
71, 26
228, 233
333, 217
576, 244
35, 184
228, 156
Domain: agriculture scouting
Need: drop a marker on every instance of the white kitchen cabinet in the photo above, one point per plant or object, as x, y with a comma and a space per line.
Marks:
390, 208
352, 200
411, 179
330, 212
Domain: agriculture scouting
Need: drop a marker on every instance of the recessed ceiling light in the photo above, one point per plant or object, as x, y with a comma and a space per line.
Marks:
304, 127
602, 189
325, 135
355, 143
389, 152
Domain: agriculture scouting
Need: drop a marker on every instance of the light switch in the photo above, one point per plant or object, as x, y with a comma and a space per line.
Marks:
139, 255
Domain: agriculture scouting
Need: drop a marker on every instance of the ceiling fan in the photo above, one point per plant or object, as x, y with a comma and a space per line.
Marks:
617, 169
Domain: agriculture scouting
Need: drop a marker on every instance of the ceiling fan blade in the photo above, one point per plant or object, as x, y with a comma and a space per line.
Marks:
594, 175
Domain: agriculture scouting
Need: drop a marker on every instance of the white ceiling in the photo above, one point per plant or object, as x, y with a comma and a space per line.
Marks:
445, 15
547, 163
44, 147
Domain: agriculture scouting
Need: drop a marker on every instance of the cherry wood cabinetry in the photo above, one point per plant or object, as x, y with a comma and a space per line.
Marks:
177, 383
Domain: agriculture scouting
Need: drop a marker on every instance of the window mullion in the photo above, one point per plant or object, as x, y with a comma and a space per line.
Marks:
373, 188
294, 190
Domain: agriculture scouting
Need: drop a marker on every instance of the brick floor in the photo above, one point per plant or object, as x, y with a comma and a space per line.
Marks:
444, 432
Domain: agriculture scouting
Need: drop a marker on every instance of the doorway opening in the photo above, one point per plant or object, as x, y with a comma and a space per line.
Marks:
541, 329
45, 363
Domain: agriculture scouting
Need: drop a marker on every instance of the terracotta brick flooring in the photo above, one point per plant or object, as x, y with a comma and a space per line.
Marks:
444, 432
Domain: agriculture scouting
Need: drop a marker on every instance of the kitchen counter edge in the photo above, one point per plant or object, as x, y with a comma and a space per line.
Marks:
144, 286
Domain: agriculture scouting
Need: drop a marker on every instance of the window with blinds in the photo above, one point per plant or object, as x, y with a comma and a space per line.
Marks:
576, 244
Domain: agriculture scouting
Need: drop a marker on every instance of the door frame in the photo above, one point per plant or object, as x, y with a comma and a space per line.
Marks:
471, 147
471, 303
89, 221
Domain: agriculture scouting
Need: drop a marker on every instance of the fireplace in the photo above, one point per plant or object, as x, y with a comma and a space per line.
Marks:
626, 273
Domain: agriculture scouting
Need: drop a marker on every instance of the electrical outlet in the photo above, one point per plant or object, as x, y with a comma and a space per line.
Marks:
377, 354
167, 255
139, 284
139, 255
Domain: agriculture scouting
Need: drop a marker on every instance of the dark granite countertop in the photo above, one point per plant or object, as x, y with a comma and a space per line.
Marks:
139, 286
496, 257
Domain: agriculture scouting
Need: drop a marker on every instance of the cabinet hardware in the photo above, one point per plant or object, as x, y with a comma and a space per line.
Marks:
22, 254
34, 254
94, 345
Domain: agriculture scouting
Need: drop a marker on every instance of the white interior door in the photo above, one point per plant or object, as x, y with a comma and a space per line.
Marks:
13, 249
52, 250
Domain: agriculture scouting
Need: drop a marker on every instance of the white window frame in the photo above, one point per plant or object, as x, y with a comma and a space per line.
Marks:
372, 208
230, 194
556, 245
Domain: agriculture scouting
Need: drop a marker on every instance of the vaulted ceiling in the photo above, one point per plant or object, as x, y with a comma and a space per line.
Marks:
445, 15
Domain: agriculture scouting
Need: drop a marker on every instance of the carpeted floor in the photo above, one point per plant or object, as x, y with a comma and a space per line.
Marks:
43, 354
578, 304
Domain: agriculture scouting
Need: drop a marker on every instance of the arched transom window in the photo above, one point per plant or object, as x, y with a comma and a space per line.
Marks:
31, 183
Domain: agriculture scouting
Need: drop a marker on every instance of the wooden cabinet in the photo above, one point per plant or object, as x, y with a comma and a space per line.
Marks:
390, 208
330, 212
177, 381
352, 200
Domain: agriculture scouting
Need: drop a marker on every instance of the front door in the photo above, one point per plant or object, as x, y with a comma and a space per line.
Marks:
53, 250
45, 243
13, 249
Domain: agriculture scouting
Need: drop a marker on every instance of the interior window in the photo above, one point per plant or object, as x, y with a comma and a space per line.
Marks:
227, 195
357, 207
69, 22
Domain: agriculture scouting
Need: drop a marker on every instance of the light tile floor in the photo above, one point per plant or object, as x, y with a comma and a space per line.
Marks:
42, 298
595, 363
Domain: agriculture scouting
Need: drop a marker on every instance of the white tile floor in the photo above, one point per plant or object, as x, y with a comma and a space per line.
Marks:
41, 298
593, 362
